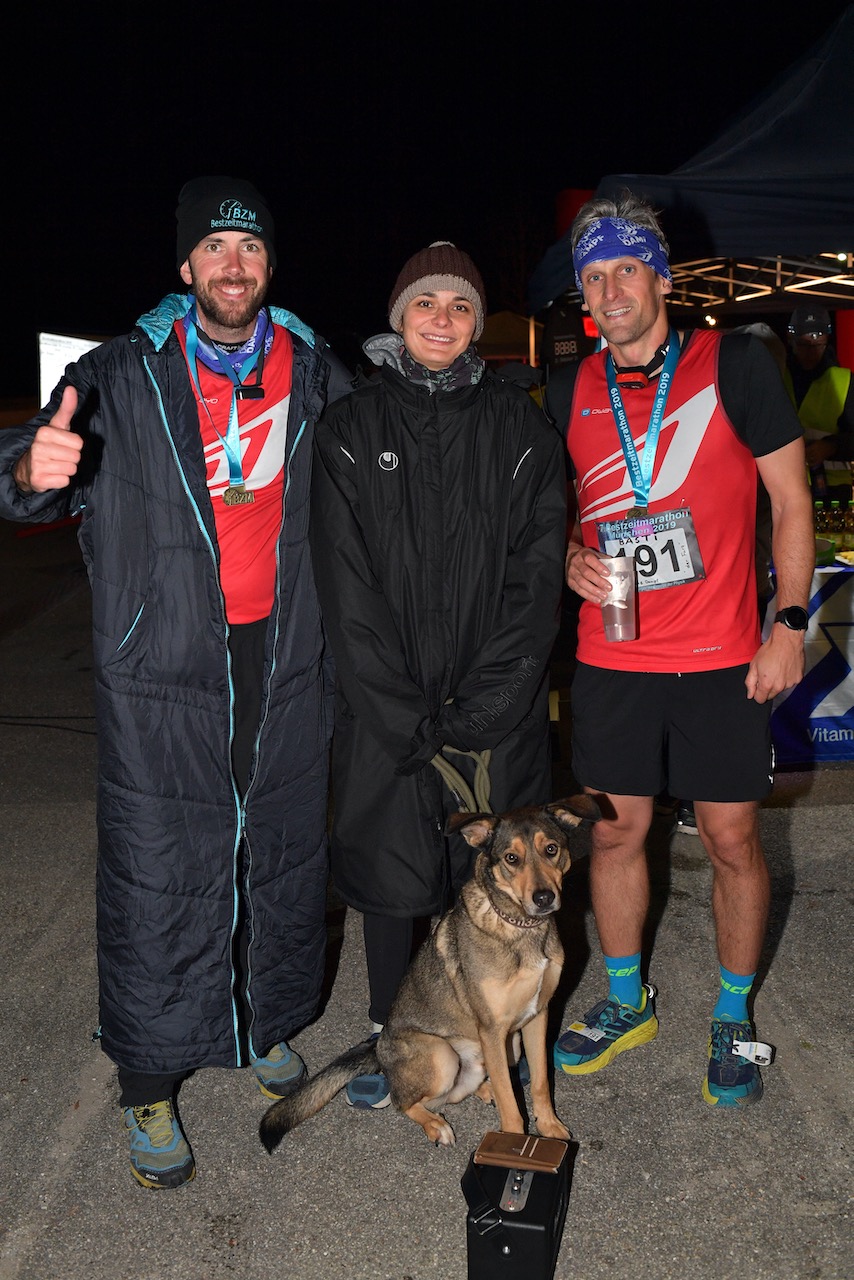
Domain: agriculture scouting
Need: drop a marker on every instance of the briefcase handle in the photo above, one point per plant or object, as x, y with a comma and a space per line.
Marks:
486, 1218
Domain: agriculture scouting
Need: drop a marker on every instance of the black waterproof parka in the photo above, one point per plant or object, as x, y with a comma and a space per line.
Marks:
438, 535
170, 819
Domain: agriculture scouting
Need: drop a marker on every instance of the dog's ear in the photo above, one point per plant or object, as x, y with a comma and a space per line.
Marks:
574, 810
476, 828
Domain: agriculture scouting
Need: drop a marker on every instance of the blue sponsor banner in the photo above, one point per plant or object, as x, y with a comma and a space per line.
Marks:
814, 722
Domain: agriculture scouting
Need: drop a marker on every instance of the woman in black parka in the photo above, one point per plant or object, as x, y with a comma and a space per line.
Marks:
438, 535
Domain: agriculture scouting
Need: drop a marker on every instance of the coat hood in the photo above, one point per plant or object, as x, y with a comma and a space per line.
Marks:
158, 323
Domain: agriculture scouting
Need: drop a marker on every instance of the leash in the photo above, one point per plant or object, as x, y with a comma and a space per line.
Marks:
477, 802
470, 802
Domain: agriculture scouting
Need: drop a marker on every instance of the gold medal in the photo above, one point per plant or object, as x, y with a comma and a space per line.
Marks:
236, 495
637, 513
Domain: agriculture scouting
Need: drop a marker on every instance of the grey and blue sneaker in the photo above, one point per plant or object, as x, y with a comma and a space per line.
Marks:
608, 1029
280, 1072
369, 1092
733, 1078
160, 1156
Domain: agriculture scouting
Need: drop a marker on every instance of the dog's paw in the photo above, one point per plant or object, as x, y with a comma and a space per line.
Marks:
551, 1127
484, 1092
440, 1133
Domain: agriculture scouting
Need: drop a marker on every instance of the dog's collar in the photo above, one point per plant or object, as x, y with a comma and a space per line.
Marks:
529, 922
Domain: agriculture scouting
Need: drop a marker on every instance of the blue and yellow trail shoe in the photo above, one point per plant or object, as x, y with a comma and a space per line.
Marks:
733, 1078
608, 1029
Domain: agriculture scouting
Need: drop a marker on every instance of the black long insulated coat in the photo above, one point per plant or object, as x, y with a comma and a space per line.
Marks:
170, 819
438, 535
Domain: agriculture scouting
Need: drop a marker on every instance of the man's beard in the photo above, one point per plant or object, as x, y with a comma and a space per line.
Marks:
236, 315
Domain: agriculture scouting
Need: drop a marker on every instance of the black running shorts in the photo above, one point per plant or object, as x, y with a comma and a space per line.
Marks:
696, 735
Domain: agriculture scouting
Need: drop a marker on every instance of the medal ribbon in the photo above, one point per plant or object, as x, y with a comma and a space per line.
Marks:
231, 440
640, 473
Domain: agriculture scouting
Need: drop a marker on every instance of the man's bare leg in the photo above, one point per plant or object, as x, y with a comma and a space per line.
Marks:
619, 875
619, 886
741, 888
740, 900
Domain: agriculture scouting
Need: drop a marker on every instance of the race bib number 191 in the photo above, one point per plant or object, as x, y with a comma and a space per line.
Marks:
664, 546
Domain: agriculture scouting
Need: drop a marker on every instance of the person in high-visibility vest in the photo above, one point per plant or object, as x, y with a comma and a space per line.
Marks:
823, 394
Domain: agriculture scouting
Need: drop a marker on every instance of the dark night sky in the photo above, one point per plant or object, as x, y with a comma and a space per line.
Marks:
371, 135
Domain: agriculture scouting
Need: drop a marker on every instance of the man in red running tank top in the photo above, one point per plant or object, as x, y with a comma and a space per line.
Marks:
667, 432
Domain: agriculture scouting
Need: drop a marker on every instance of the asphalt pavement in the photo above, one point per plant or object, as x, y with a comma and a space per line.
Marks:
663, 1186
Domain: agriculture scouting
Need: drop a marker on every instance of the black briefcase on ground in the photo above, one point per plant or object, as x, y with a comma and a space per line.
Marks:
517, 1190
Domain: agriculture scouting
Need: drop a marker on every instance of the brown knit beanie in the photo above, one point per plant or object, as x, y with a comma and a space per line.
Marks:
440, 266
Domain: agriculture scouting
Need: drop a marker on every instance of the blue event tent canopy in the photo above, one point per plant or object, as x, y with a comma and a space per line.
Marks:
766, 211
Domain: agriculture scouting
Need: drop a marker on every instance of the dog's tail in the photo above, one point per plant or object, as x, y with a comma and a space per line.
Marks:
312, 1096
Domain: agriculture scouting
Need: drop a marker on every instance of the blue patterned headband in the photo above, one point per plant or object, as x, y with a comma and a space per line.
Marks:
608, 238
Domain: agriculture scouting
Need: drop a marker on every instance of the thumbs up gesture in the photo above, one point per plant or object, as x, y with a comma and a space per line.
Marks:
54, 456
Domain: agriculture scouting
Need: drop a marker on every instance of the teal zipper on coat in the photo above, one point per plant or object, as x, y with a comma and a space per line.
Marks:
263, 719
237, 802
132, 627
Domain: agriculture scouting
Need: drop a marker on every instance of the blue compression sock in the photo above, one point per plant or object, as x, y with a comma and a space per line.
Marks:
625, 980
732, 1001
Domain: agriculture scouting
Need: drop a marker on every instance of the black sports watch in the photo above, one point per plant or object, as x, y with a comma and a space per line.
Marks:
795, 618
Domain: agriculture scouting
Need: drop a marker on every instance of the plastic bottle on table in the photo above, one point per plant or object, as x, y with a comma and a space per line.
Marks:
836, 524
848, 528
819, 517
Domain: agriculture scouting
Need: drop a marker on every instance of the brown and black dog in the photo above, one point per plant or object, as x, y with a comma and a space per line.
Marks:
487, 972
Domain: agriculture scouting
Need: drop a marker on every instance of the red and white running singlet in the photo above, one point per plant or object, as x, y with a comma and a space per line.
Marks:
702, 465
247, 534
